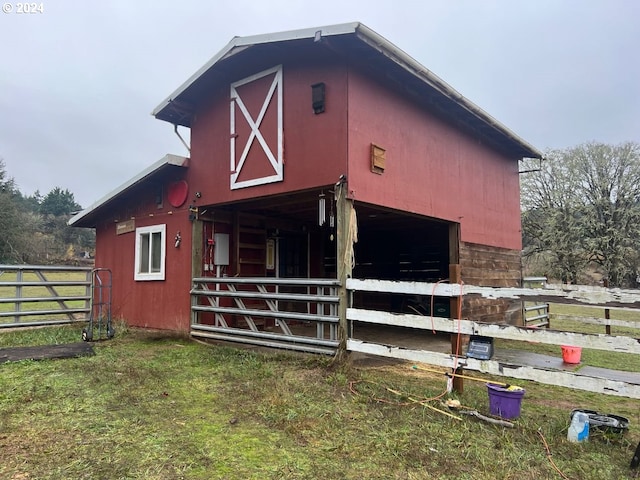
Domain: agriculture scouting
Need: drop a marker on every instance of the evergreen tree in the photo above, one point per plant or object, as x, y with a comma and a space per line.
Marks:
11, 231
33, 229
58, 203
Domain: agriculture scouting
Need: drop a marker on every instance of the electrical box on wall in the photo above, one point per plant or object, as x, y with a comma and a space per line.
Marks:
221, 249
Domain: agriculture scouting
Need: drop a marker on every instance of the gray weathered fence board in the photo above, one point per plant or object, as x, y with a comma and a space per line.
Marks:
507, 332
547, 376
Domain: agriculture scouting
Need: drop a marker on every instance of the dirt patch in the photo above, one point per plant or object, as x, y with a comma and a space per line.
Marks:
41, 352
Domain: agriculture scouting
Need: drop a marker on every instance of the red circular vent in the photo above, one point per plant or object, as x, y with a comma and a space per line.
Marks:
178, 192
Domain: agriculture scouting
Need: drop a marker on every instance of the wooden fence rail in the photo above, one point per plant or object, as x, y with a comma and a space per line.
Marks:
587, 378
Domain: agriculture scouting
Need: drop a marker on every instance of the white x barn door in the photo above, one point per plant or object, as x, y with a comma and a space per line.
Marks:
256, 129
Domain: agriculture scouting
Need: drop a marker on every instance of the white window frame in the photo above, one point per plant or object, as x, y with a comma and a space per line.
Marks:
140, 231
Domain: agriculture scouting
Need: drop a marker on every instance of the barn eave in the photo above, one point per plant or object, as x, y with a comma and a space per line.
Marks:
366, 49
89, 216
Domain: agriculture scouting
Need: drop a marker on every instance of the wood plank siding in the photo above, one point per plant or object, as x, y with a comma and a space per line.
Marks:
488, 266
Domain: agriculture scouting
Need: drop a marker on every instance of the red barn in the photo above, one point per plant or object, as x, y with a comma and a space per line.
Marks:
281, 126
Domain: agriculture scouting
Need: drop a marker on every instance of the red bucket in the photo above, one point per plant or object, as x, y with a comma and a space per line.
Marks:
571, 354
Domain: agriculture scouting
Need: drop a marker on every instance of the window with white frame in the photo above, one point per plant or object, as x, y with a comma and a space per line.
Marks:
150, 252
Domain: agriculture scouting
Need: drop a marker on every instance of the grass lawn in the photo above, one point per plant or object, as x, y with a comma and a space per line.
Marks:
153, 405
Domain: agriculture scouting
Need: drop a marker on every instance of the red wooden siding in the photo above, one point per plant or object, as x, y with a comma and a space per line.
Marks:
431, 168
315, 146
163, 304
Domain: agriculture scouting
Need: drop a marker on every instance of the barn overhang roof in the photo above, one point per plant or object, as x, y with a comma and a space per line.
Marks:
367, 49
88, 216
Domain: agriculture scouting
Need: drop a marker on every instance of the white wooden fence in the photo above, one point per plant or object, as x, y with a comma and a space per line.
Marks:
596, 380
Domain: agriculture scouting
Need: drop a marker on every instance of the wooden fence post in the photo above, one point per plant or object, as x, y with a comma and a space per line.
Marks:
607, 313
548, 315
455, 276
346, 235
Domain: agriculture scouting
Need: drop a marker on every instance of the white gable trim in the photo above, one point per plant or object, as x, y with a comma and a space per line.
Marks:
169, 159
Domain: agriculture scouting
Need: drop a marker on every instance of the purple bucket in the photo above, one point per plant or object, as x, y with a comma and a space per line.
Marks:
503, 402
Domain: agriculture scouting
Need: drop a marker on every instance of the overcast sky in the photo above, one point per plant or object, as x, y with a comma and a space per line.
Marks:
79, 80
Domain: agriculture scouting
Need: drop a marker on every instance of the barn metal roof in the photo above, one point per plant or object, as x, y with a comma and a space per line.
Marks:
85, 217
370, 50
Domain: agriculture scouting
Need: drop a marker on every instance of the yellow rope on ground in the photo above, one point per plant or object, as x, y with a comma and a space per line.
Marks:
412, 401
425, 404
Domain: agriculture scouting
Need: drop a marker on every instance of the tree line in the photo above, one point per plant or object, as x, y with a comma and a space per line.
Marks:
33, 228
581, 214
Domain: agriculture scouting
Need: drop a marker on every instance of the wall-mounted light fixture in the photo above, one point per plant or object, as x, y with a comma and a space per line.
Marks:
193, 212
318, 97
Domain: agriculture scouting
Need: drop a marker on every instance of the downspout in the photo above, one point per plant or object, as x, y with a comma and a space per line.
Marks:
175, 129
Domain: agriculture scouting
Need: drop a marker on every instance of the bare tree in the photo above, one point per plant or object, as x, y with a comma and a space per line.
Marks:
583, 205
611, 188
